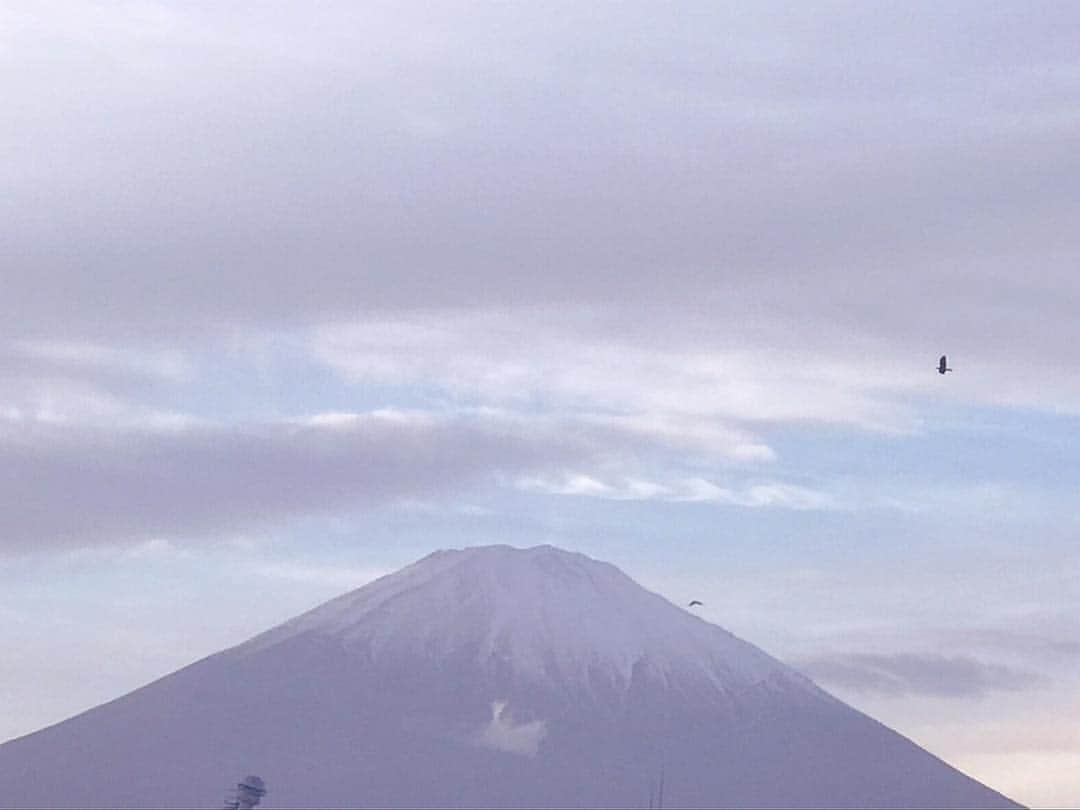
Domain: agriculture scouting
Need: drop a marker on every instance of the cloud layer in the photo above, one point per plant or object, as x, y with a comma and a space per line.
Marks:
76, 486
901, 178
902, 674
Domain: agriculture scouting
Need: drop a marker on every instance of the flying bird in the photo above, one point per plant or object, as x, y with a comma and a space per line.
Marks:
696, 602
942, 366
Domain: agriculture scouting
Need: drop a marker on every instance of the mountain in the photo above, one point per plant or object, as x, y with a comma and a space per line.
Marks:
488, 677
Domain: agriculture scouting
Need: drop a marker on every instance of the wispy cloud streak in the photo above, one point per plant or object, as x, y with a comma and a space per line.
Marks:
902, 674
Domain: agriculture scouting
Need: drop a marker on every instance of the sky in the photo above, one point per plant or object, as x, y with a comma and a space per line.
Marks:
293, 294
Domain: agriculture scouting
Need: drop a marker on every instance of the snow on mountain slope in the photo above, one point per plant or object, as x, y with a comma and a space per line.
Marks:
545, 612
492, 677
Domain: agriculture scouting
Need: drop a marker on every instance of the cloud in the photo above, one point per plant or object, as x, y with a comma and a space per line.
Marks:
74, 485
503, 734
1059, 639
739, 171
89, 383
902, 674
665, 374
130, 475
100, 358
759, 229
691, 490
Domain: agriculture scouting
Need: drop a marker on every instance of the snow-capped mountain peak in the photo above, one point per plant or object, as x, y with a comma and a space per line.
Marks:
541, 612
485, 677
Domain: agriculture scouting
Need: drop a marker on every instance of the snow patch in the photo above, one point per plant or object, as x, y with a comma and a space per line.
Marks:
503, 734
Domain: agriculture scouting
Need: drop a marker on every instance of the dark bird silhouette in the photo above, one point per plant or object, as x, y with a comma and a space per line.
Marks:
696, 602
942, 367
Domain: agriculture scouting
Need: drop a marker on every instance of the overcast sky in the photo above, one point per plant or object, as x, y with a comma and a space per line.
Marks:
292, 294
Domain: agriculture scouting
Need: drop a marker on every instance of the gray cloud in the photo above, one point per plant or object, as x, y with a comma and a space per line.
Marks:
903, 174
99, 364
46, 381
916, 674
77, 486
759, 216
1062, 646
117, 475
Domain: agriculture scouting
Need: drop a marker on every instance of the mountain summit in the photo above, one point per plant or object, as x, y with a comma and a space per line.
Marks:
541, 617
494, 677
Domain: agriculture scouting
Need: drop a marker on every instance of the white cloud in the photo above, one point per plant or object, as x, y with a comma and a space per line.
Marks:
351, 420
695, 386
692, 434
58, 401
761, 495
773, 494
